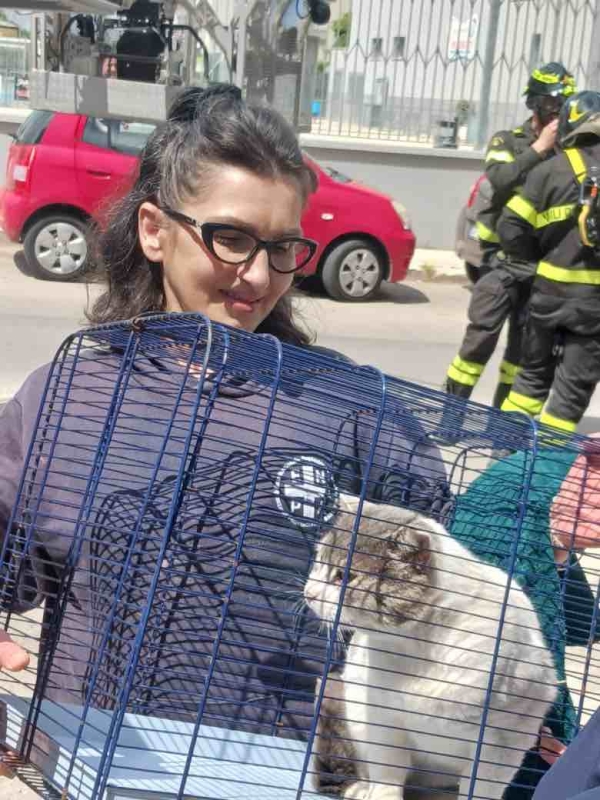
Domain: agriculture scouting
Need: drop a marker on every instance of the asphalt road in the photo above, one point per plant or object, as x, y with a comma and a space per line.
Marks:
412, 330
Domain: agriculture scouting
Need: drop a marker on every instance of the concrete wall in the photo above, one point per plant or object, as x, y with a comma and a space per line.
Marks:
4, 145
433, 184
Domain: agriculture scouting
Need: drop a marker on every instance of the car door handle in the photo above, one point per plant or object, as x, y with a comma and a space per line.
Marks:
99, 173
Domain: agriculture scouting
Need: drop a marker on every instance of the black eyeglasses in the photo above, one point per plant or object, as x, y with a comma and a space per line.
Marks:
233, 245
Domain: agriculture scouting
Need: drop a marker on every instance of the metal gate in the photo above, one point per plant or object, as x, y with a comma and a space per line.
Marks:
446, 61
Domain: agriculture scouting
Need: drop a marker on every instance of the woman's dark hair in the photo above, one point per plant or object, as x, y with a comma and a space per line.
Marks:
205, 129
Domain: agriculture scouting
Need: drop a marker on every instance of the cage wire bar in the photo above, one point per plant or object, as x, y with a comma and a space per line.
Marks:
446, 72
214, 533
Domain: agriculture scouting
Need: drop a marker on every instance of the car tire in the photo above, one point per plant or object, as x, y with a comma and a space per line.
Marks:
353, 271
473, 273
56, 248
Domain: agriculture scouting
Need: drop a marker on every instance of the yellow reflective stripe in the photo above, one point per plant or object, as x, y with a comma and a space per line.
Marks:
523, 208
546, 77
508, 372
563, 275
472, 367
556, 422
510, 368
486, 234
555, 214
577, 163
522, 403
582, 225
460, 377
502, 156
465, 372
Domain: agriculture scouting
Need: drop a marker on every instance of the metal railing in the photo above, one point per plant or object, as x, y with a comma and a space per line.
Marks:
14, 68
444, 71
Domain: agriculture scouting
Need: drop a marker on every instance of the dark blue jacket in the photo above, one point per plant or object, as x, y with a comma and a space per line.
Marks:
270, 652
576, 774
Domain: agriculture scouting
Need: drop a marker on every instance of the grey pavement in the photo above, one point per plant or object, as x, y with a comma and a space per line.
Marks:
412, 330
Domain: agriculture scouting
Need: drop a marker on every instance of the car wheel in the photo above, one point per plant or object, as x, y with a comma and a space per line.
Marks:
473, 273
56, 248
353, 271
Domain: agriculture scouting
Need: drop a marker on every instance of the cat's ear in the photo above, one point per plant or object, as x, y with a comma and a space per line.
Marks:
419, 544
421, 555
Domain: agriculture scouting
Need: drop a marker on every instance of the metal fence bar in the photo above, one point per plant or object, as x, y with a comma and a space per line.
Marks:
404, 67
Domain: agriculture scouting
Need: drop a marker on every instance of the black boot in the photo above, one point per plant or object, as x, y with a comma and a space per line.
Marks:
457, 389
501, 393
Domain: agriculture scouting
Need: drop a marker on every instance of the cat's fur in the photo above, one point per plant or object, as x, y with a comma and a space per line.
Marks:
426, 615
334, 763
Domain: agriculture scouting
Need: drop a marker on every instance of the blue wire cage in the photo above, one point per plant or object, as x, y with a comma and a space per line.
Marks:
179, 480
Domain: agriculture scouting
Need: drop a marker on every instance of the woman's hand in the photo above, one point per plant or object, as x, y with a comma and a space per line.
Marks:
13, 658
12, 655
575, 511
550, 748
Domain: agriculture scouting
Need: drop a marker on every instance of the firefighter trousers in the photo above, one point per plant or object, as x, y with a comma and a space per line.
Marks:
497, 297
559, 363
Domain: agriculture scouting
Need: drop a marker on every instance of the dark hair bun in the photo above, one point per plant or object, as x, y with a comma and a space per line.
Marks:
192, 102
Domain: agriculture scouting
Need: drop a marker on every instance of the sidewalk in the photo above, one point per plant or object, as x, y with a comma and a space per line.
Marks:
433, 264
11, 117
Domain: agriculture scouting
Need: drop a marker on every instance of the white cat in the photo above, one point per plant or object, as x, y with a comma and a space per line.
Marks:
426, 616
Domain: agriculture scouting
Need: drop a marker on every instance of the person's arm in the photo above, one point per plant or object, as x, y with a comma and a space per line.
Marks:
11, 460
505, 169
17, 425
12, 657
577, 770
517, 224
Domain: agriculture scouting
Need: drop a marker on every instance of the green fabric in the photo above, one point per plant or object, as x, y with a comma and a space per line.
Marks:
486, 520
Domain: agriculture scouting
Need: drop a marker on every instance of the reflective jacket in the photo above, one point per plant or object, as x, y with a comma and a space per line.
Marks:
508, 160
540, 225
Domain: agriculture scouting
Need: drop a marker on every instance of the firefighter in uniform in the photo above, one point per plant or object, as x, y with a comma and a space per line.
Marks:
503, 290
555, 223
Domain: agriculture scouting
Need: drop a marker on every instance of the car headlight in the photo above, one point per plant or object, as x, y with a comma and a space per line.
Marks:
402, 213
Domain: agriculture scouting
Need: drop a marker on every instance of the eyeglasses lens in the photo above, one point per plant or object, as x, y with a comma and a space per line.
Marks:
234, 247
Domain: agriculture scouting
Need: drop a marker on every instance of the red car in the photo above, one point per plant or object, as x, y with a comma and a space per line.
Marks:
467, 241
62, 167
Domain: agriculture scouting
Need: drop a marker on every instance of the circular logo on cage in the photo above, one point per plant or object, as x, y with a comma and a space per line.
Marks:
306, 492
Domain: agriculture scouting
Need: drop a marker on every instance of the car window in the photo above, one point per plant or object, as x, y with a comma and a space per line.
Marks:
96, 132
129, 137
336, 175
33, 128
332, 172
124, 137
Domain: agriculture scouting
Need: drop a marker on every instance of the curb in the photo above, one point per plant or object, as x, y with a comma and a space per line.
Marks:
419, 276
434, 264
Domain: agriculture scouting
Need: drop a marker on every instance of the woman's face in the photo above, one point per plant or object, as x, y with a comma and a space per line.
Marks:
193, 278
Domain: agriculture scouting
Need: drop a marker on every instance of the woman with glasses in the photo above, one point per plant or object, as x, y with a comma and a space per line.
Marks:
212, 224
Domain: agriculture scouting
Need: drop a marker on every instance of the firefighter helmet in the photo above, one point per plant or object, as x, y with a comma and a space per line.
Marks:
551, 80
577, 109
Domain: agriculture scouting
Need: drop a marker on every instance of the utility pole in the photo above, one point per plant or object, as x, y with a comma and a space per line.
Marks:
488, 69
